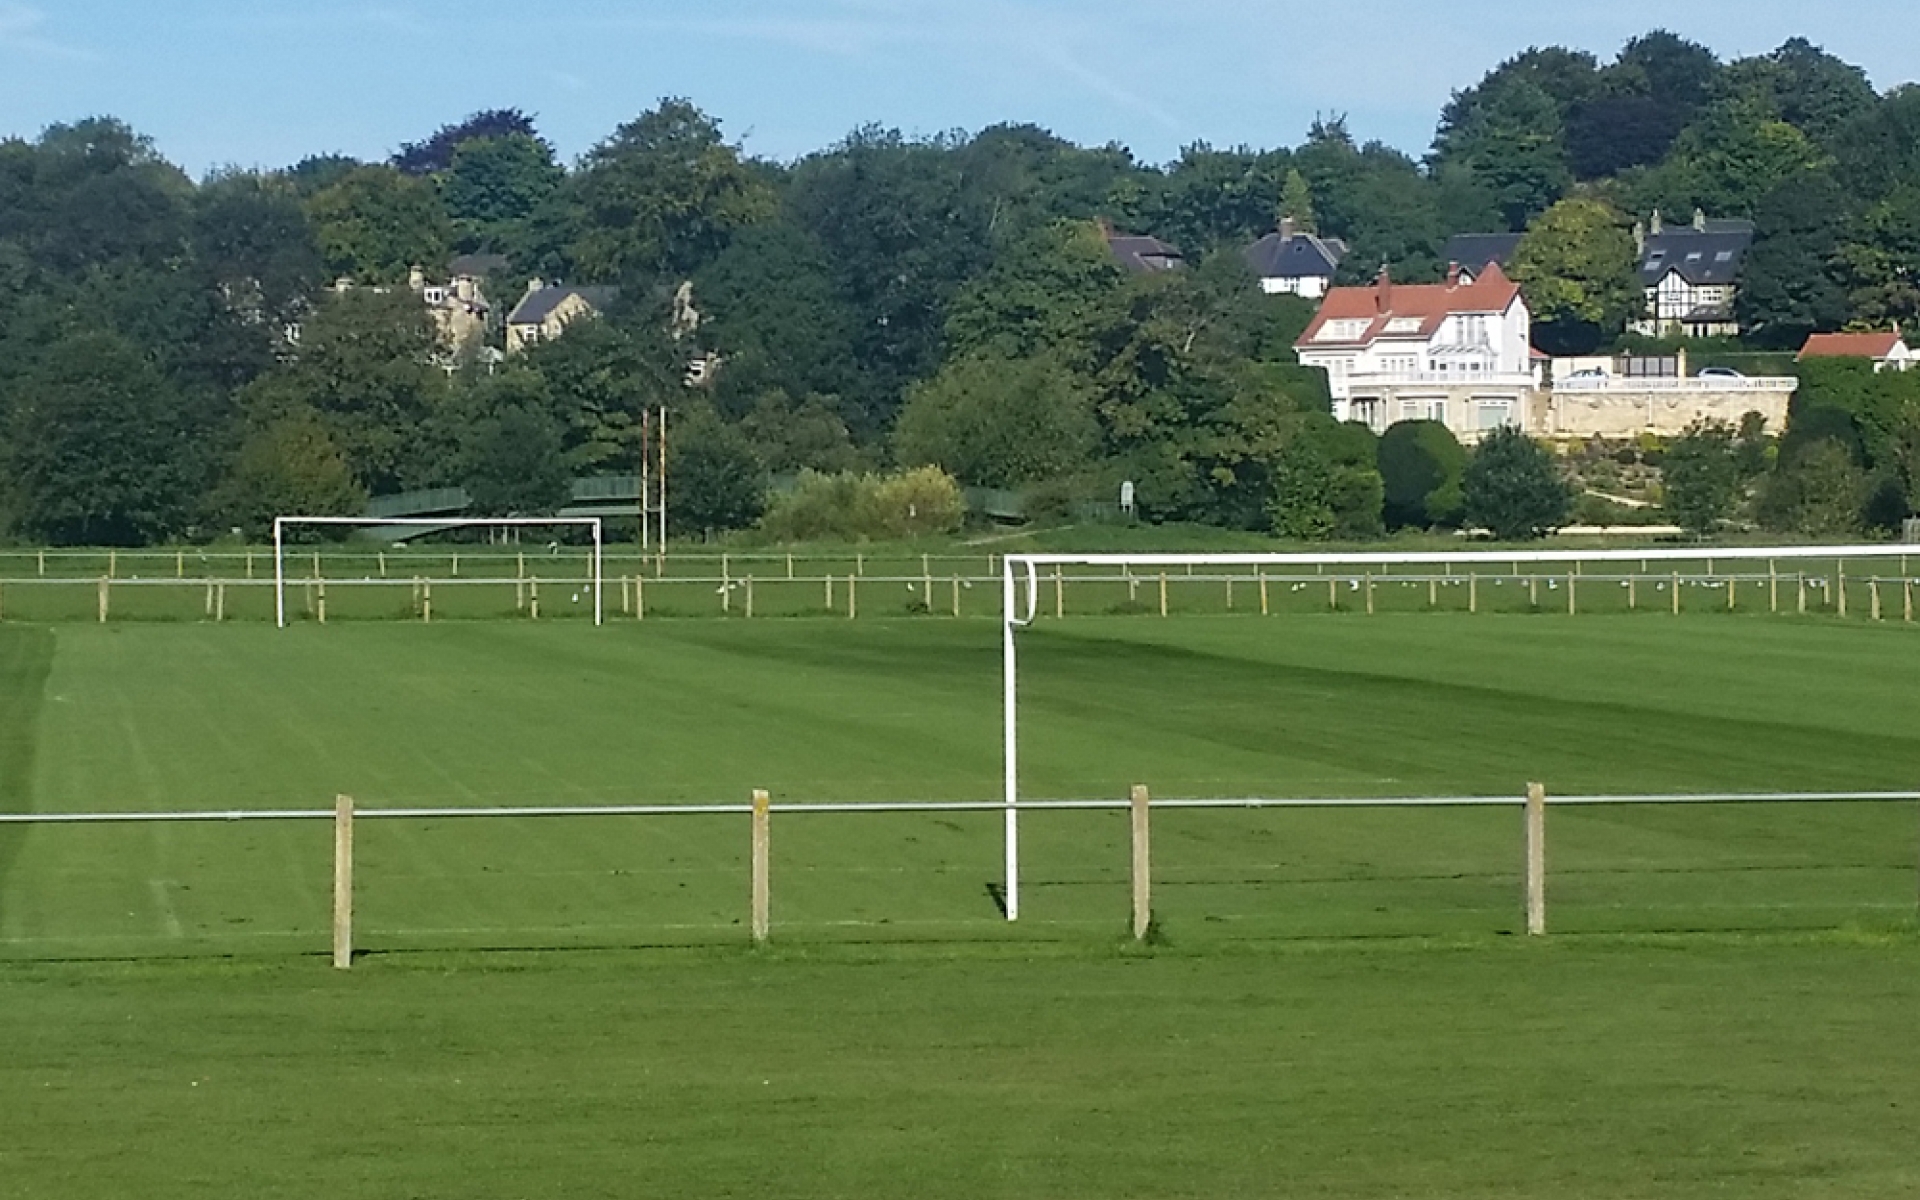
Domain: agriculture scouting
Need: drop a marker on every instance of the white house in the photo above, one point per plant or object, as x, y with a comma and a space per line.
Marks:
1289, 262
1456, 352
1887, 351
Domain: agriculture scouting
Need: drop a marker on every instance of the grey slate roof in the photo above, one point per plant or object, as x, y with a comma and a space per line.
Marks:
1139, 254
1301, 256
1473, 251
535, 307
1702, 256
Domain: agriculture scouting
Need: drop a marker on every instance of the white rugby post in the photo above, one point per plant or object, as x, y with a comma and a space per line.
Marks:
1012, 566
282, 524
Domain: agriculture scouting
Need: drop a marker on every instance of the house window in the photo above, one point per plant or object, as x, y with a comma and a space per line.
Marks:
1493, 414
435, 295
1404, 325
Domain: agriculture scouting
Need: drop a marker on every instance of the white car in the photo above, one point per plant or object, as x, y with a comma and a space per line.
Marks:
1720, 373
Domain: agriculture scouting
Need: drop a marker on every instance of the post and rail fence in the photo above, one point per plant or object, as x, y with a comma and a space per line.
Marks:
1532, 803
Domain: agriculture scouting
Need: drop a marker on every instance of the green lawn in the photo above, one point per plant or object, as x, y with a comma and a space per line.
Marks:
1338, 1007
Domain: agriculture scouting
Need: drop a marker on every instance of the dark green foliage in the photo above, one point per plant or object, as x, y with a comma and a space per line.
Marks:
716, 483
1326, 484
1513, 489
289, 466
1700, 477
1791, 284
375, 224
511, 458
442, 150
96, 451
662, 196
1000, 423
1421, 466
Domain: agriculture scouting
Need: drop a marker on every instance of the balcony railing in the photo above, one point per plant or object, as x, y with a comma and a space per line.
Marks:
1664, 383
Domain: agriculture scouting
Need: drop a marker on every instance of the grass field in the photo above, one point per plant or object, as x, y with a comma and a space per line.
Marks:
1336, 1008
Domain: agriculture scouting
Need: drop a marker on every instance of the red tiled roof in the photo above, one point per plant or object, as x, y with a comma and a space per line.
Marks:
1849, 345
1383, 301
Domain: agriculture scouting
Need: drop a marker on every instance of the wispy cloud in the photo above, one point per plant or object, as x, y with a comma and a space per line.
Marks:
20, 32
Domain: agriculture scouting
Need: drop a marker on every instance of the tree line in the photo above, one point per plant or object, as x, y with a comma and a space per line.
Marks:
178, 360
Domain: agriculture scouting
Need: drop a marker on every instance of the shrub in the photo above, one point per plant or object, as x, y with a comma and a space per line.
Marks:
857, 507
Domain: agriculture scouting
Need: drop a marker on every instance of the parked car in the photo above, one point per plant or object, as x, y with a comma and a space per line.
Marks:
1720, 373
1588, 373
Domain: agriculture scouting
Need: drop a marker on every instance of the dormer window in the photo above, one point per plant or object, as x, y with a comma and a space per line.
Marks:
1404, 325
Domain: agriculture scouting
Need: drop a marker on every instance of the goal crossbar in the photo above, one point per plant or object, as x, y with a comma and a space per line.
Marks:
282, 524
1020, 605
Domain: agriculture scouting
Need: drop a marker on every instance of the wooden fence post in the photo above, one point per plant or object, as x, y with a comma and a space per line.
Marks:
1906, 600
829, 579
105, 583
1536, 859
1263, 590
1800, 592
749, 596
342, 882
853, 599
179, 564
1731, 586
1840, 591
956, 595
220, 601
426, 601
1333, 595
1142, 864
1059, 594
1163, 593
1676, 593
533, 598
1533, 592
320, 601
762, 876
1229, 593
1873, 597
1573, 603
1369, 593
1473, 593
1773, 588
1633, 593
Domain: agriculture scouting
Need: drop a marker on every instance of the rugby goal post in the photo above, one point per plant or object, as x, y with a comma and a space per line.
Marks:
282, 524
1020, 584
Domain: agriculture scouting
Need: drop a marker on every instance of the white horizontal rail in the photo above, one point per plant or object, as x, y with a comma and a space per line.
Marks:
937, 806
1694, 554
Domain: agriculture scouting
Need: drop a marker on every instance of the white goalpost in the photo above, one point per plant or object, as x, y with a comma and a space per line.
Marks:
282, 524
1020, 585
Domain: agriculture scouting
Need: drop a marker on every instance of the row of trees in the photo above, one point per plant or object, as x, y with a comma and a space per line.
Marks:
175, 362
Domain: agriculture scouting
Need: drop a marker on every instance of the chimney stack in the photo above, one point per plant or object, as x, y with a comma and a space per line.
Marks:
1453, 274
1286, 229
1383, 290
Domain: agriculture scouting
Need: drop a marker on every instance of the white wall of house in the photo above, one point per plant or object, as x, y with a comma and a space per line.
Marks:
1313, 287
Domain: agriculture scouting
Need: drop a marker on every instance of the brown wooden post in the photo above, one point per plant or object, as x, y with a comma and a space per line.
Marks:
956, 595
1163, 593
1800, 598
320, 602
1142, 863
105, 583
220, 601
426, 601
829, 592
762, 898
853, 600
1533, 591
179, 564
1369, 590
342, 882
749, 596
1473, 593
1840, 591
1731, 586
1573, 603
1773, 588
1676, 593
1262, 571
1906, 600
1536, 822
1873, 597
533, 597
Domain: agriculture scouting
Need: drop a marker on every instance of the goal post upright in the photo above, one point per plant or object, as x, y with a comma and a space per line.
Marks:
596, 576
1013, 566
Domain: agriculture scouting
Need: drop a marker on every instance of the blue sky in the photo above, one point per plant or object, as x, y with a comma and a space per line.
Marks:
265, 82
